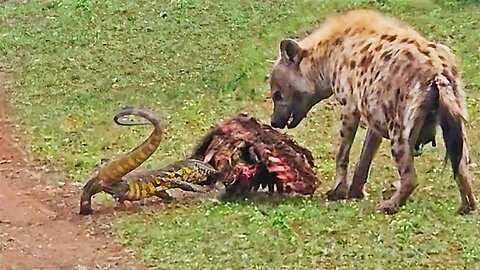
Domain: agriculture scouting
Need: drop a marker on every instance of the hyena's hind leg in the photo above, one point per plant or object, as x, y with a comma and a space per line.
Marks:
464, 183
370, 147
403, 139
403, 155
350, 119
462, 174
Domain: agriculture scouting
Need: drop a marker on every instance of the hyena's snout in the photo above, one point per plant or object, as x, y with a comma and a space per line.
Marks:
278, 122
280, 116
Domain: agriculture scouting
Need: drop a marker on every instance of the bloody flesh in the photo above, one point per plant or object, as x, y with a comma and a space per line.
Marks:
251, 155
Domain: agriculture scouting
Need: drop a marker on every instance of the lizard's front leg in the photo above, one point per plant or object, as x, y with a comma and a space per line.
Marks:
167, 198
349, 124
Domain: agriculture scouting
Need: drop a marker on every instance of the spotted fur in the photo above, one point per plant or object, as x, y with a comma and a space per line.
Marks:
386, 75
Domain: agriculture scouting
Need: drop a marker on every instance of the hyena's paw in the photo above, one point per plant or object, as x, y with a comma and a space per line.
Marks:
388, 207
465, 209
356, 194
338, 193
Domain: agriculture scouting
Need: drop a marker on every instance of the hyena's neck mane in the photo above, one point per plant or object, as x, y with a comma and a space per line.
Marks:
357, 21
344, 43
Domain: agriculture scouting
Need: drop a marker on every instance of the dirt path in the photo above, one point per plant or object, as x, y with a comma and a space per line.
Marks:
39, 225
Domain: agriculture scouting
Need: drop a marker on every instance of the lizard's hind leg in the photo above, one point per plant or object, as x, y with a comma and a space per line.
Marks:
186, 187
119, 191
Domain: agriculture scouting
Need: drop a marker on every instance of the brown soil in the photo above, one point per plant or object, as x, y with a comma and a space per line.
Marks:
39, 224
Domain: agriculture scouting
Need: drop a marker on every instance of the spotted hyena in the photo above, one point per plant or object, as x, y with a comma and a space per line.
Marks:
386, 75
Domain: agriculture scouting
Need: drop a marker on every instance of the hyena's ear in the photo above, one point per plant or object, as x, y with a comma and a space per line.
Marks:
290, 51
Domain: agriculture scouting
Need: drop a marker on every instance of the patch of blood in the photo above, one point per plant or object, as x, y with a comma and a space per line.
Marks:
244, 174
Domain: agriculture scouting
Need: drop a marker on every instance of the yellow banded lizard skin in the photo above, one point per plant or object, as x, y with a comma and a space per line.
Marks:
182, 174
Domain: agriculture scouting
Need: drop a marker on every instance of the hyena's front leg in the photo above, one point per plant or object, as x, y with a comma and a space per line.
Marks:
370, 147
348, 129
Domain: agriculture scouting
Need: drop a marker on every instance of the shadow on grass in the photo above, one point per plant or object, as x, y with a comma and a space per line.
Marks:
261, 197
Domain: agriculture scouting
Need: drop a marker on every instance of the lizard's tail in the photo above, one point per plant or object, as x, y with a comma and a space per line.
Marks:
115, 170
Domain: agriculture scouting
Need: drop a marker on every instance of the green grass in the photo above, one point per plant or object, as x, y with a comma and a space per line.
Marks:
196, 62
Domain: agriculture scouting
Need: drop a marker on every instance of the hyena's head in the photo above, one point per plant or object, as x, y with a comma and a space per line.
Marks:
294, 88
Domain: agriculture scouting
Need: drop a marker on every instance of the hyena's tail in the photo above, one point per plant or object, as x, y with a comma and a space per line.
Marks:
453, 117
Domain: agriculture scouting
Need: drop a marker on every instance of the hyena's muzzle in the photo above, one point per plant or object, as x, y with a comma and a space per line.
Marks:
291, 113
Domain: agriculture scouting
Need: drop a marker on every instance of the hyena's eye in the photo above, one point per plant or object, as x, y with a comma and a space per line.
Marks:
277, 96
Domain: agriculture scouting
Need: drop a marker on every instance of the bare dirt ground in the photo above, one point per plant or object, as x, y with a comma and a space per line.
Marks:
39, 225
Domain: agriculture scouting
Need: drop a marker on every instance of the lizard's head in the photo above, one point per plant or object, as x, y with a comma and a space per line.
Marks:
91, 188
